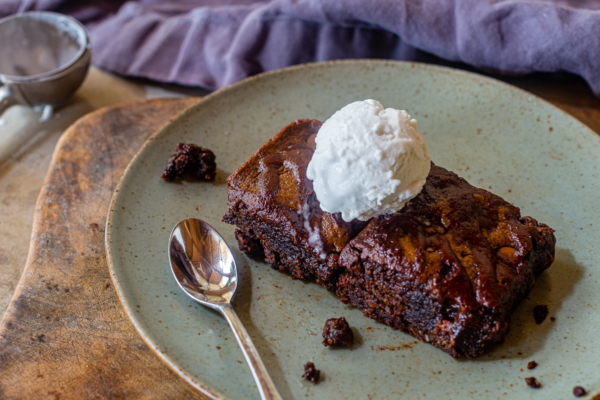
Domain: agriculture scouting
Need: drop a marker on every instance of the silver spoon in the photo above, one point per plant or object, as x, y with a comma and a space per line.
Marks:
205, 269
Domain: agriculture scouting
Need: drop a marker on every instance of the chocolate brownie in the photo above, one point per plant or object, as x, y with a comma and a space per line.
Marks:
337, 332
311, 373
276, 210
191, 160
449, 268
532, 364
533, 383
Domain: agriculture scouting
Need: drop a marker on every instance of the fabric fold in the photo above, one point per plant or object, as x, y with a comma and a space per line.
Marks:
213, 43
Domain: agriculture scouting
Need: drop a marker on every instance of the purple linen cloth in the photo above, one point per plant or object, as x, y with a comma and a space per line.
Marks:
213, 43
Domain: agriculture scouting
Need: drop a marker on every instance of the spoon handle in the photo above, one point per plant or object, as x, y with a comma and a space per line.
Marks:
267, 389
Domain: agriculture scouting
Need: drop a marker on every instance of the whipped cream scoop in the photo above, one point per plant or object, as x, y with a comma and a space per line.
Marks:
369, 161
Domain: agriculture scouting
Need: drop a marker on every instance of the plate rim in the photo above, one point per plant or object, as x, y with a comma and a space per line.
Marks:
129, 310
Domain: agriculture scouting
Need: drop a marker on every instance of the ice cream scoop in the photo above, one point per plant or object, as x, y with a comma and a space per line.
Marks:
368, 161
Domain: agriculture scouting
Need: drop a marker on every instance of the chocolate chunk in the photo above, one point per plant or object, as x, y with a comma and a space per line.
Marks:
578, 391
191, 160
540, 313
532, 365
311, 373
533, 383
337, 332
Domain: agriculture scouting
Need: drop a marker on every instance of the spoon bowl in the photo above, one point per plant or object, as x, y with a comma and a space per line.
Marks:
202, 263
205, 269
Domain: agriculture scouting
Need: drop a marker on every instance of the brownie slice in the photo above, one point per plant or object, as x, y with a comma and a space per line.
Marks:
449, 268
277, 213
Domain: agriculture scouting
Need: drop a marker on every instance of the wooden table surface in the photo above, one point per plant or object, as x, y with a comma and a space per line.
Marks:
65, 334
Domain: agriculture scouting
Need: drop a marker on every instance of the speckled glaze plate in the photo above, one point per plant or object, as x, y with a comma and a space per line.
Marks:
494, 135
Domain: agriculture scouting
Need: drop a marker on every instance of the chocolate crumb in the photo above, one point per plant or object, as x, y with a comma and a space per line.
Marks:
533, 383
311, 373
578, 391
337, 332
552, 319
532, 365
193, 160
540, 313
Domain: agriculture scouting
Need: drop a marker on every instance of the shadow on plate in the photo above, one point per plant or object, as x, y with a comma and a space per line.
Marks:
241, 304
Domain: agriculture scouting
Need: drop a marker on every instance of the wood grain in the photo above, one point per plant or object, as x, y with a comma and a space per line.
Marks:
65, 334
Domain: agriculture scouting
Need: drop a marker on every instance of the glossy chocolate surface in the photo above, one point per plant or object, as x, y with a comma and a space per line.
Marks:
450, 267
272, 201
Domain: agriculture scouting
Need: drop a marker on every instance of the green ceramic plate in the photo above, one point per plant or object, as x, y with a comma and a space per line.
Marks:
496, 136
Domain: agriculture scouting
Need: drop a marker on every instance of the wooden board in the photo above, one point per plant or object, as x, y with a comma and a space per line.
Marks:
65, 334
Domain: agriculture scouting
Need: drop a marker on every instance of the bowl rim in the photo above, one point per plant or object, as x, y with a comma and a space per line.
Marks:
83, 40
